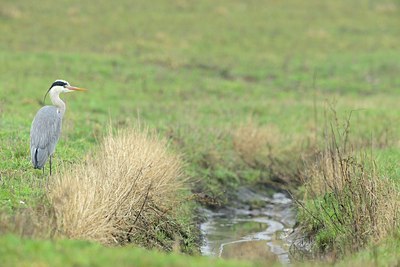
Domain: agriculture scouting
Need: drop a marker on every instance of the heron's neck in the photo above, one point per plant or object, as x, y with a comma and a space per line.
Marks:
56, 100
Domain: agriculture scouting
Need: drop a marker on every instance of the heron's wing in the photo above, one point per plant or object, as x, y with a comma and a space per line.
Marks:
46, 129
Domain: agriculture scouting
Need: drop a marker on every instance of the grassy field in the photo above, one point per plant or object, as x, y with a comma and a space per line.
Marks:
197, 73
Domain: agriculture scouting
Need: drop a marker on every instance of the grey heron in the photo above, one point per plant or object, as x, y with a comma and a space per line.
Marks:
46, 126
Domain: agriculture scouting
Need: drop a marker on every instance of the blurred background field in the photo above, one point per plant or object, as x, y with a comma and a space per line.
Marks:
195, 71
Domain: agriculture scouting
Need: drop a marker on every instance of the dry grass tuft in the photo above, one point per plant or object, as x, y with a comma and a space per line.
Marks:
365, 203
254, 144
124, 193
266, 148
10, 12
347, 202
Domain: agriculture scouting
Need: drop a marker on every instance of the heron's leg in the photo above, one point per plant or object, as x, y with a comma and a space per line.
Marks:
50, 164
43, 175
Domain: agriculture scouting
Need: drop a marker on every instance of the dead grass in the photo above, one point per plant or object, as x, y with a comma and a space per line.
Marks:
254, 144
278, 156
125, 192
10, 12
347, 203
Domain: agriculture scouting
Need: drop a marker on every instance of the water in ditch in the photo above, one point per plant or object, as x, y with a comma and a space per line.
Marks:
245, 232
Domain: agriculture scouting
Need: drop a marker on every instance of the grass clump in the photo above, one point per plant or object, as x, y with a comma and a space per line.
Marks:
254, 144
348, 203
276, 156
125, 192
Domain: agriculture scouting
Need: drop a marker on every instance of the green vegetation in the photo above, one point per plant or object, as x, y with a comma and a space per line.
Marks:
383, 255
239, 88
17, 252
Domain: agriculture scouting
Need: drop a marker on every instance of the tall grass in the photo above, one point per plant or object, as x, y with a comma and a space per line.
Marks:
125, 192
347, 202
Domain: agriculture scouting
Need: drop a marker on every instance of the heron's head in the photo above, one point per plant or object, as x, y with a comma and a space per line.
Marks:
61, 86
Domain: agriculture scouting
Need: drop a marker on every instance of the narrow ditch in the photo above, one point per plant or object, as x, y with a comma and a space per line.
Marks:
248, 232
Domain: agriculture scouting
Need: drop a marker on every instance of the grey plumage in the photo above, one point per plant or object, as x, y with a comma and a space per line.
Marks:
46, 126
45, 132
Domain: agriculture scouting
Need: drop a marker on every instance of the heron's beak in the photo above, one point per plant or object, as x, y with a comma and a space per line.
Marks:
75, 88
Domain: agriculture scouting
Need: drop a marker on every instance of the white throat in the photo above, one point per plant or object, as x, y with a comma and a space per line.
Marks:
56, 100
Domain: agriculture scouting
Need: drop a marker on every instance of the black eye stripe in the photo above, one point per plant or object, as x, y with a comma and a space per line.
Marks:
58, 83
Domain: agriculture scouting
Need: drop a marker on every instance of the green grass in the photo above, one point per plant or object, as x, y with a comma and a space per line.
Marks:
15, 251
195, 71
383, 255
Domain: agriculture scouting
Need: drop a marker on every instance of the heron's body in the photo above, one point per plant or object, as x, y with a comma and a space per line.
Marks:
46, 126
45, 132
